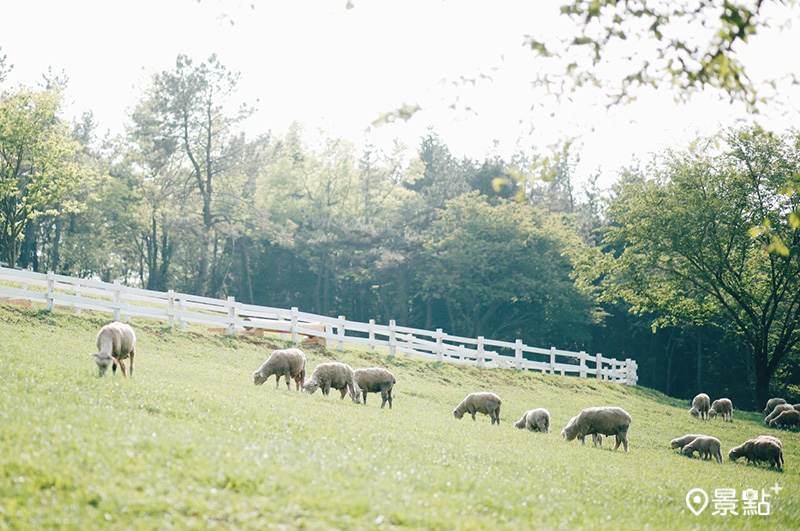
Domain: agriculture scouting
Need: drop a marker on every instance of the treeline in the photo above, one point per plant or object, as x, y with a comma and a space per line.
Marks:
186, 201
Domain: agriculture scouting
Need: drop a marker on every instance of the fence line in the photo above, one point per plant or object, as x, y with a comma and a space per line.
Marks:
231, 317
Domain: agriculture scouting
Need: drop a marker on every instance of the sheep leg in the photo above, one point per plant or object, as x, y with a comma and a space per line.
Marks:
131, 357
384, 398
326, 389
625, 441
122, 367
287, 376
617, 441
497, 415
343, 390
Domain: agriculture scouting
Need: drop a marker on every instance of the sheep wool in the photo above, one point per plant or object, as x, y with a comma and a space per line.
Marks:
376, 380
333, 375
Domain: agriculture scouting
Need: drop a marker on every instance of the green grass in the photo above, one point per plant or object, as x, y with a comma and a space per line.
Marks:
190, 443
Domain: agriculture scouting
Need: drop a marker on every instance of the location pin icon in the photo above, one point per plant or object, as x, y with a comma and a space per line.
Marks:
697, 500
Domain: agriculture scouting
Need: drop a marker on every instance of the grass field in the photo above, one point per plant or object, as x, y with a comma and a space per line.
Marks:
191, 443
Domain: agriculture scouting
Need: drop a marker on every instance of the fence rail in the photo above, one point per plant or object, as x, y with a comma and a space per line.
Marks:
177, 309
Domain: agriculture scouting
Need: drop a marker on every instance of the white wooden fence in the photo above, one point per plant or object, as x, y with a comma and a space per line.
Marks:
179, 308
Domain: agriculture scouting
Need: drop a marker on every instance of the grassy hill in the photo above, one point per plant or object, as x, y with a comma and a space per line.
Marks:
190, 442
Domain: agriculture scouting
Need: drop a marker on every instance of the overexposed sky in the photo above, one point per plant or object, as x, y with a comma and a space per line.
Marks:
335, 69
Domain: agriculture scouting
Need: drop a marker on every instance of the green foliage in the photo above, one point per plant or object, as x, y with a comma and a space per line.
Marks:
680, 244
38, 166
190, 442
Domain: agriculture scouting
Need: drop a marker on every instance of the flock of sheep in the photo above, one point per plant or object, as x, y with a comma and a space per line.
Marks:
764, 448
116, 342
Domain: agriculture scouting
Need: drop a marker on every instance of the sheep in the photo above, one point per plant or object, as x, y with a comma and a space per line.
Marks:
771, 403
680, 442
115, 342
376, 380
701, 403
788, 418
336, 375
535, 420
707, 447
763, 448
604, 420
486, 403
289, 363
723, 407
597, 439
780, 408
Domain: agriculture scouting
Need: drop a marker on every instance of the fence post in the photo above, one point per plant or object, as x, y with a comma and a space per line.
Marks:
182, 308
51, 288
480, 351
518, 353
599, 361
628, 371
340, 332
582, 355
552, 360
392, 339
371, 329
635, 372
439, 345
231, 304
294, 326
76, 289
171, 308
117, 300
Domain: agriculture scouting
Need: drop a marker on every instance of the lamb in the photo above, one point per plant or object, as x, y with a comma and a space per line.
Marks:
115, 342
723, 407
701, 403
780, 408
771, 403
707, 447
486, 403
336, 375
535, 420
376, 380
680, 442
289, 363
604, 420
763, 448
788, 418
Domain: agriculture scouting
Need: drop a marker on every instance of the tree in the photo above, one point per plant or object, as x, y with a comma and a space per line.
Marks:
185, 115
37, 162
502, 270
681, 244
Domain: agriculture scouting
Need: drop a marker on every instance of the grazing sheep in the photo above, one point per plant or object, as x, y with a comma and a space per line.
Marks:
289, 363
788, 418
763, 448
693, 412
115, 342
723, 407
376, 380
486, 403
771, 403
597, 439
336, 375
604, 420
712, 414
535, 420
780, 408
680, 442
706, 447
701, 404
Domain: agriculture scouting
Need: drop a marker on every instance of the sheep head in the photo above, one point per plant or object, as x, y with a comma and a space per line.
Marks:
310, 386
103, 363
735, 453
693, 412
458, 413
259, 378
570, 432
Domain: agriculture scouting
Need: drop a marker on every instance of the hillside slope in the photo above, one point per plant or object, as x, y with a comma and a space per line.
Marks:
190, 442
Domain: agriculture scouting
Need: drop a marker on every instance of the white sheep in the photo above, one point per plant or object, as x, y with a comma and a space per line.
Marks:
289, 363
680, 442
777, 410
701, 404
376, 380
603, 420
115, 342
763, 448
707, 447
788, 418
723, 407
535, 420
486, 403
771, 403
336, 375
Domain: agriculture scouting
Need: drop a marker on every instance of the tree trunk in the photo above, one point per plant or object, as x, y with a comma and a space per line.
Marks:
699, 358
763, 377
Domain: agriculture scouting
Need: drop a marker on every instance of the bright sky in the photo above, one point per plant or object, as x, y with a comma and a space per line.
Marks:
337, 70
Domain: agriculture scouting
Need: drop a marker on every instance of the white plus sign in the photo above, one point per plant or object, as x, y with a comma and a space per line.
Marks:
776, 488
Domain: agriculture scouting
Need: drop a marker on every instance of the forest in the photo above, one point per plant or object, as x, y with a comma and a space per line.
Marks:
689, 263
